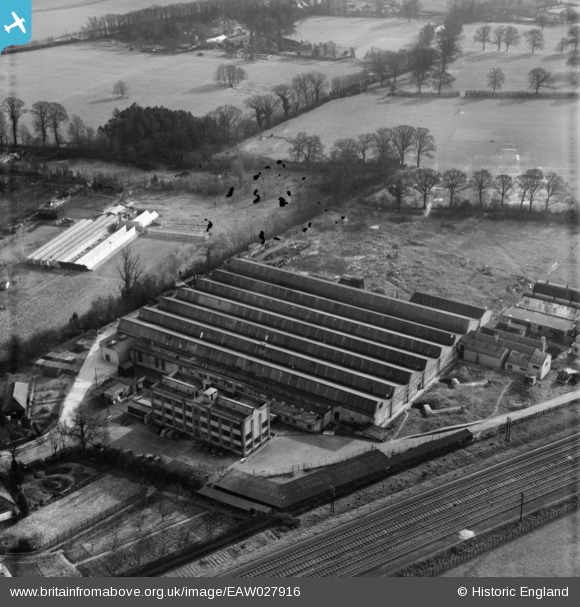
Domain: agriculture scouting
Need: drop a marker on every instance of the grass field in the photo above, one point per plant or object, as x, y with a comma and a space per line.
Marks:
81, 77
59, 17
360, 33
474, 64
550, 551
502, 135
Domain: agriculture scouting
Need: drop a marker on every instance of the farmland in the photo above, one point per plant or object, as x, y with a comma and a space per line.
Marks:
360, 33
502, 135
59, 17
181, 81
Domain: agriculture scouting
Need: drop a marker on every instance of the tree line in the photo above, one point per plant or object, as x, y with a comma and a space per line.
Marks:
266, 20
390, 148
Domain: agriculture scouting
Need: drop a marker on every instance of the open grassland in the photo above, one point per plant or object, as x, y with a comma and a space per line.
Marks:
472, 67
81, 77
360, 33
501, 135
59, 17
444, 257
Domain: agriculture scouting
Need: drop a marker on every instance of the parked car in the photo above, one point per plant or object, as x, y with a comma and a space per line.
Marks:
163, 433
157, 459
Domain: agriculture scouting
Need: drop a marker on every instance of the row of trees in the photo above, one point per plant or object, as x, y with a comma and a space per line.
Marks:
48, 118
385, 144
267, 22
481, 184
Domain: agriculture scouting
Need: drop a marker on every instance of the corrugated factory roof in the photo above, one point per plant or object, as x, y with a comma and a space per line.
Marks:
448, 305
537, 318
351, 295
556, 290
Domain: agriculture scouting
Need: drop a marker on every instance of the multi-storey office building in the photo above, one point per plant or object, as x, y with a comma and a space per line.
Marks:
240, 424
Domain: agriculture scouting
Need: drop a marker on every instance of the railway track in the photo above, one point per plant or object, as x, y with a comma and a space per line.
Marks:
393, 534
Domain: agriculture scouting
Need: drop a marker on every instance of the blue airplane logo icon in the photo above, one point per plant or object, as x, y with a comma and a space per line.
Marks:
15, 22
18, 22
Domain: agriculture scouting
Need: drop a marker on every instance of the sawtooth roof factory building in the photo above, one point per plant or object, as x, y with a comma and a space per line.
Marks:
318, 351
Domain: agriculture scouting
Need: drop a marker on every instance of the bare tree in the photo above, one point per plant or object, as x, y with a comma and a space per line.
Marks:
303, 87
398, 185
164, 507
419, 78
364, 144
396, 62
448, 49
424, 144
539, 79
534, 39
285, 93
120, 89
3, 130
480, 182
442, 80
298, 145
403, 140
531, 182
130, 271
382, 144
453, 180
498, 35
511, 37
264, 105
562, 46
483, 34
503, 185
226, 117
555, 188
541, 19
14, 108
376, 62
40, 119
56, 116
86, 427
140, 519
574, 36
344, 151
424, 181
318, 83
314, 149
495, 79
77, 132
411, 9
230, 75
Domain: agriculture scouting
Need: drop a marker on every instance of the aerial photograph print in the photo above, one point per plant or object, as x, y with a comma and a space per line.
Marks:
290, 289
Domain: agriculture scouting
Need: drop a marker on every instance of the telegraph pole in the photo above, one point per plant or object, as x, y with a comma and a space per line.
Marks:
332, 492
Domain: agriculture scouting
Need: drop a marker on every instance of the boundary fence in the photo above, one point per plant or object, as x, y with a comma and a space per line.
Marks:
97, 518
522, 94
489, 541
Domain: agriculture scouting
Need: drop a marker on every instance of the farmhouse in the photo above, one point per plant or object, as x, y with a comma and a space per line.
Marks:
15, 402
502, 350
306, 344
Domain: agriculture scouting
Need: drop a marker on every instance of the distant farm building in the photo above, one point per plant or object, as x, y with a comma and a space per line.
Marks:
319, 351
502, 350
549, 310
